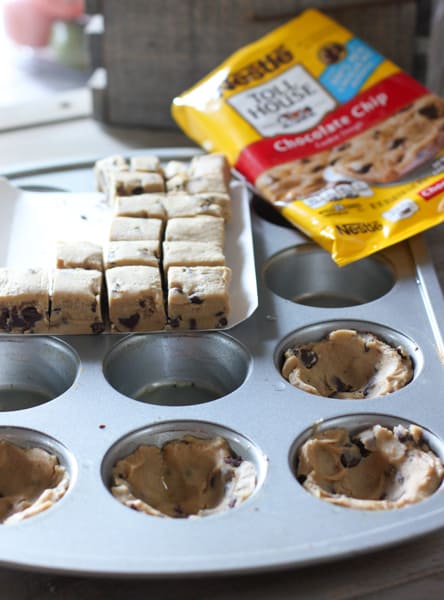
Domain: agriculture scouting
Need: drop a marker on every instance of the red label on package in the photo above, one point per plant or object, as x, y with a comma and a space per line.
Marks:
364, 111
432, 190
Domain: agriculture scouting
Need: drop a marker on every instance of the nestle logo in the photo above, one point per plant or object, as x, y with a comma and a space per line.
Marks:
258, 69
357, 228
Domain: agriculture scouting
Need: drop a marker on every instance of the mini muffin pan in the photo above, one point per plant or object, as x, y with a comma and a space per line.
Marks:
93, 399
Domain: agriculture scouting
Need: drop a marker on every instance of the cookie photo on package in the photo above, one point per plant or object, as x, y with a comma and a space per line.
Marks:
348, 147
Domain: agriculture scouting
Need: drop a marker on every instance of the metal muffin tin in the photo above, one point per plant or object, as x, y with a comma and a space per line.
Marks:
89, 405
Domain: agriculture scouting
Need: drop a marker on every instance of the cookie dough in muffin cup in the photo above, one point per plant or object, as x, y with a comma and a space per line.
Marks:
183, 470
369, 462
341, 361
35, 473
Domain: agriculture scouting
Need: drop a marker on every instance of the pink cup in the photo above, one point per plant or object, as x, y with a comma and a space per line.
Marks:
26, 24
63, 10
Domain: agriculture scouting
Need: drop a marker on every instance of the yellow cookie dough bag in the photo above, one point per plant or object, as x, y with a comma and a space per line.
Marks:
346, 145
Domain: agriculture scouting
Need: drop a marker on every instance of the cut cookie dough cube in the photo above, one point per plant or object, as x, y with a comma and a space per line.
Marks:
198, 297
205, 184
222, 200
78, 255
75, 302
135, 299
148, 163
211, 165
192, 254
203, 228
133, 182
141, 206
175, 167
132, 228
24, 300
179, 205
178, 183
125, 253
105, 167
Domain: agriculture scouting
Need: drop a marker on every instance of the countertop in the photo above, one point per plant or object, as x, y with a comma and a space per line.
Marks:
411, 570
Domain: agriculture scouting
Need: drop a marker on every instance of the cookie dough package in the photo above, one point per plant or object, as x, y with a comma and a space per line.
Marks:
346, 145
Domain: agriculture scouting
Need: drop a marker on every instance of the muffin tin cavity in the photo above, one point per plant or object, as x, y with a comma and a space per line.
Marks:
183, 468
348, 359
368, 462
34, 370
306, 274
177, 369
35, 473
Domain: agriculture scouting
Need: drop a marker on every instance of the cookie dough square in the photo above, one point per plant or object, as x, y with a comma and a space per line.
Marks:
198, 297
179, 205
214, 166
24, 300
141, 206
203, 228
78, 255
175, 167
133, 228
223, 200
148, 163
178, 183
132, 183
126, 253
105, 167
76, 302
206, 184
192, 254
135, 299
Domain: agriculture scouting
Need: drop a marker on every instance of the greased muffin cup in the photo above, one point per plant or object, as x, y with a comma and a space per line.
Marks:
99, 398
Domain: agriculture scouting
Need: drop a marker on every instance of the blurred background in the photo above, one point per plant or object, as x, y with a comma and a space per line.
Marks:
124, 61
41, 51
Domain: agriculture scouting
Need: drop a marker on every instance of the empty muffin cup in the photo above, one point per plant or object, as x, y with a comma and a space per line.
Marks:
176, 369
369, 462
348, 359
183, 469
35, 472
306, 274
34, 371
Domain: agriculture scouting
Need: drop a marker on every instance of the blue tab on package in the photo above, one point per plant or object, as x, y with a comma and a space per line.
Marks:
344, 79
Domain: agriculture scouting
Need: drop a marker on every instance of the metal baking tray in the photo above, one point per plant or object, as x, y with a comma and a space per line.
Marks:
92, 418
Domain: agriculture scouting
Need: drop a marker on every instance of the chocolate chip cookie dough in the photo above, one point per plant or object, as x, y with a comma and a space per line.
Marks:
76, 302
31, 481
188, 476
347, 364
24, 300
198, 297
375, 469
135, 299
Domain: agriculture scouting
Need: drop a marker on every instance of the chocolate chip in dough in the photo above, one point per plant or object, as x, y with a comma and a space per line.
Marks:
4, 316
129, 322
362, 449
97, 327
195, 299
308, 357
349, 460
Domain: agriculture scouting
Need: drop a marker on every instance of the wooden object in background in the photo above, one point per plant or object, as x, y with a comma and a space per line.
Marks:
152, 51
